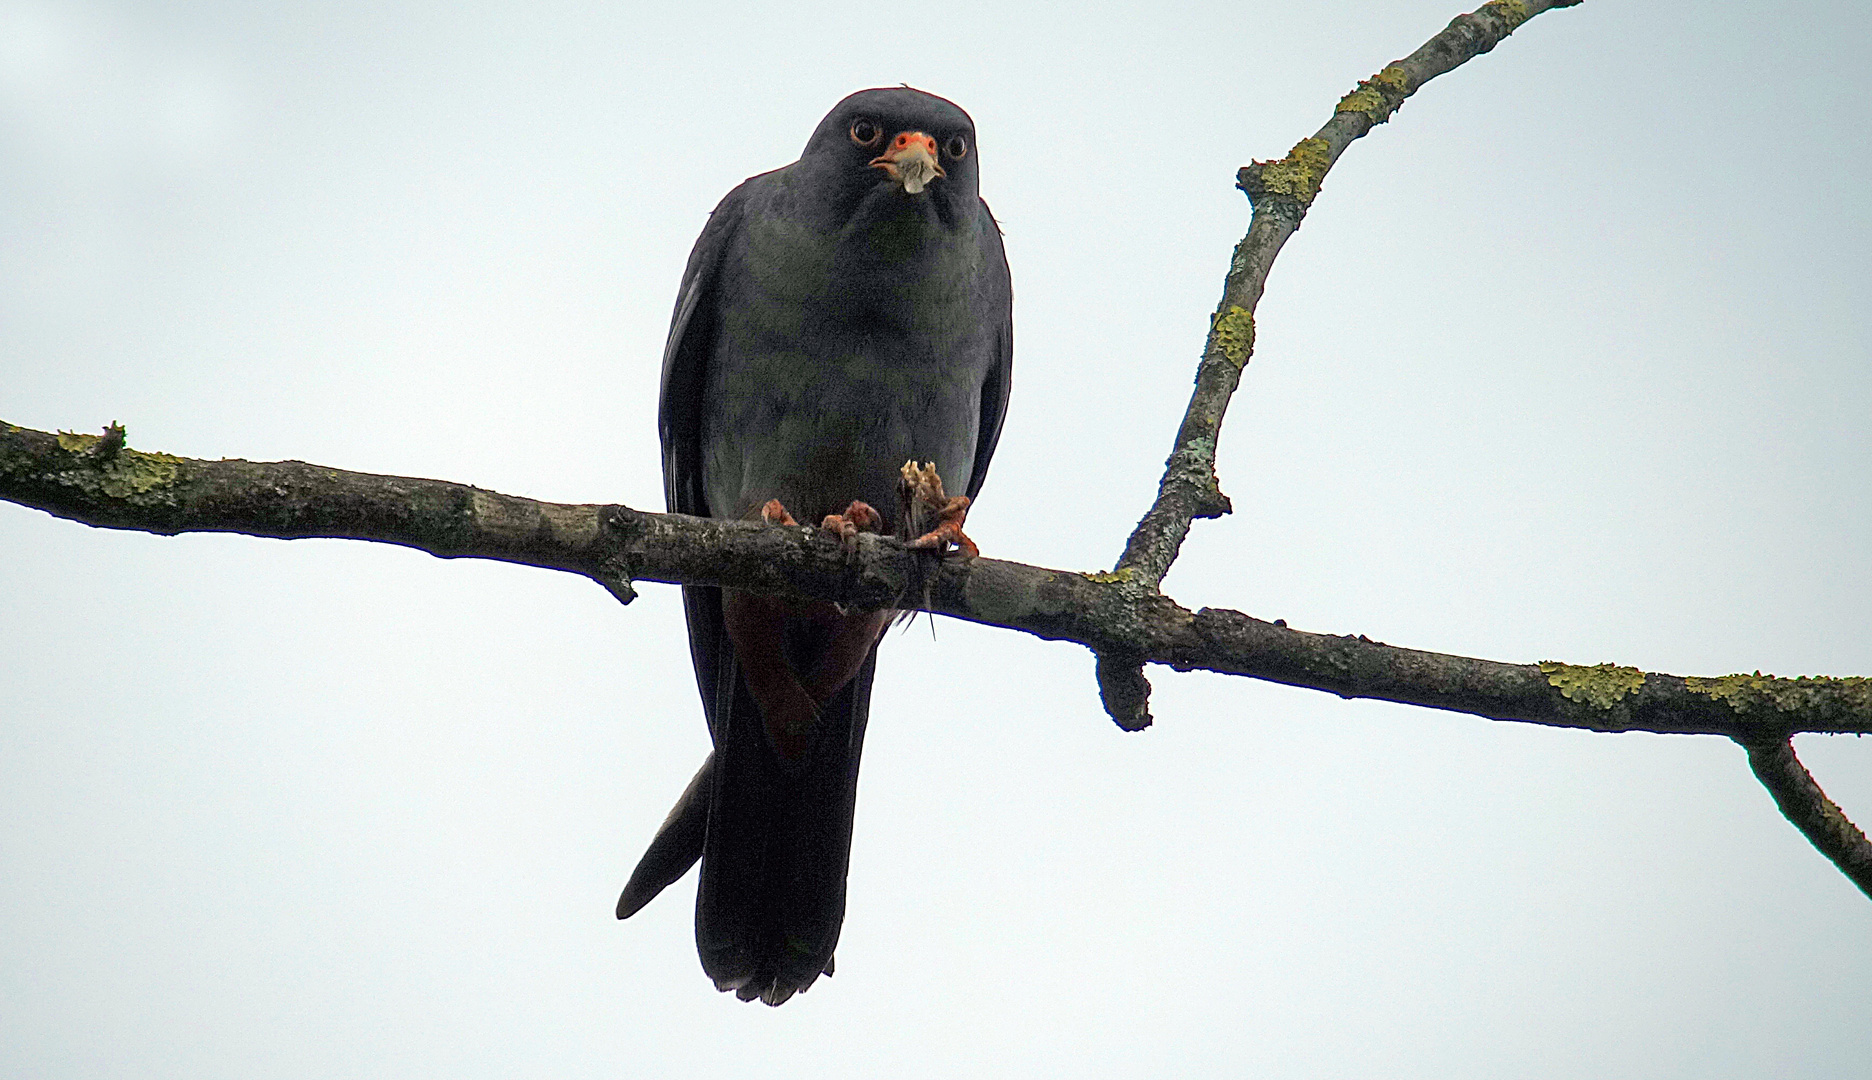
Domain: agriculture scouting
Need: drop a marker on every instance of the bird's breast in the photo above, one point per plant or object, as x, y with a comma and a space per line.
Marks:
833, 369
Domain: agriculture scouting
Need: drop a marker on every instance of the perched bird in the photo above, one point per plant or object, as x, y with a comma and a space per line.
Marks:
840, 320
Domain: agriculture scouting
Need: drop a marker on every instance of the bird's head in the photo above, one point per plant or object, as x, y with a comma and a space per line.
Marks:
895, 141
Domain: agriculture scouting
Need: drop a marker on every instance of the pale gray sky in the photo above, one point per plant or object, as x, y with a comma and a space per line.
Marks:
1569, 361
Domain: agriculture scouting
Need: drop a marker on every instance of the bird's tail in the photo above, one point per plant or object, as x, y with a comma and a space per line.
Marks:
774, 836
777, 845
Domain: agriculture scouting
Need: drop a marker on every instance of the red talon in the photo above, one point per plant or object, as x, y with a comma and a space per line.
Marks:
948, 530
857, 518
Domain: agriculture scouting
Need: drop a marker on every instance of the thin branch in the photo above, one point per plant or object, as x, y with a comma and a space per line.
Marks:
64, 475
1816, 816
1280, 191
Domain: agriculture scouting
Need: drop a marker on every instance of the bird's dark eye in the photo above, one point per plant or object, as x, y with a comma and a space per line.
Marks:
865, 133
956, 147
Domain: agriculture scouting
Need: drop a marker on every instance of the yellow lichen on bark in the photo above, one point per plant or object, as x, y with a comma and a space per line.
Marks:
1234, 334
1298, 175
1745, 692
1379, 96
1598, 685
1513, 12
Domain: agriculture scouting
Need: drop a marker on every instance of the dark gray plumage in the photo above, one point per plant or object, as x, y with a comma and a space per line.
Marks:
838, 317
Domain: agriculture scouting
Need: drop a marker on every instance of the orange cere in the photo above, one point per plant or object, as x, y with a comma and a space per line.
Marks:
903, 143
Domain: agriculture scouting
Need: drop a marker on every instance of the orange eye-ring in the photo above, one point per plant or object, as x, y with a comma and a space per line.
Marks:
956, 147
865, 133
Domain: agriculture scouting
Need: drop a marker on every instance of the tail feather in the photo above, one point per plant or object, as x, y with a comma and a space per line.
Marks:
772, 896
676, 847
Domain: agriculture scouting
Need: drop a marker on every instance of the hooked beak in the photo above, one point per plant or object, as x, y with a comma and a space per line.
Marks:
910, 161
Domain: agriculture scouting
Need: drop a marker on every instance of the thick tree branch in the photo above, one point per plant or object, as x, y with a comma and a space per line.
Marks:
1280, 191
1815, 815
71, 477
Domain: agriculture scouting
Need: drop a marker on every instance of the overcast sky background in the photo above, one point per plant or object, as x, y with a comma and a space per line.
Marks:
1568, 362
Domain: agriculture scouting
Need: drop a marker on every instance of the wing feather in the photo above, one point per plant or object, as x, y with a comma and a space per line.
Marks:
994, 391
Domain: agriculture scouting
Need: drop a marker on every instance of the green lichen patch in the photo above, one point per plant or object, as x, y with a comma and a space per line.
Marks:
1234, 334
134, 475
1393, 78
1750, 693
1598, 685
1298, 175
1365, 99
1379, 96
1512, 12
1108, 577
102, 465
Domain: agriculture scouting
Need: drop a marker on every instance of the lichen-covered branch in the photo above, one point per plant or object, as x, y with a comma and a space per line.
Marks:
1816, 816
88, 479
1280, 191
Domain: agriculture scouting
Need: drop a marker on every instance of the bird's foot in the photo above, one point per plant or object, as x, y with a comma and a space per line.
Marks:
948, 530
933, 519
857, 518
773, 513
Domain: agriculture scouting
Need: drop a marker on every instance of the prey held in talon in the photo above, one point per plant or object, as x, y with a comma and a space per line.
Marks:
933, 519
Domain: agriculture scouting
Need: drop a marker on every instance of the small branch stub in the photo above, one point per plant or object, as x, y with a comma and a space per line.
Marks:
1294, 179
614, 575
106, 449
1124, 691
613, 571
